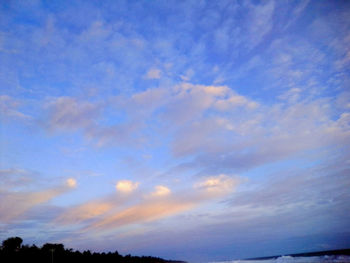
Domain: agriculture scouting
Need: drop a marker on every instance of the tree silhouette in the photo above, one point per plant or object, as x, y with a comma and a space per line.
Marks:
12, 244
59, 248
12, 251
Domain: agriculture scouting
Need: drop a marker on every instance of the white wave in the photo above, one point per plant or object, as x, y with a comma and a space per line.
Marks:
289, 259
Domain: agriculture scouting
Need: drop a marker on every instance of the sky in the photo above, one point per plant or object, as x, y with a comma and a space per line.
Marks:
194, 130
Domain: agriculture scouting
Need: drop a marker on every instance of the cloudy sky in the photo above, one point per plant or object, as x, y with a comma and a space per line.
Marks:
195, 130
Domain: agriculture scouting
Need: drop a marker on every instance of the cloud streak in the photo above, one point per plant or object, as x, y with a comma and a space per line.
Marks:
66, 113
15, 203
9, 109
117, 211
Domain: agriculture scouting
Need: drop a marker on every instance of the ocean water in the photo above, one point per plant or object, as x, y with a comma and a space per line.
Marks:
289, 259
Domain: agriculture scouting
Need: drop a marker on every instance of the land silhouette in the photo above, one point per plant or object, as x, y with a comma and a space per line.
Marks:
12, 250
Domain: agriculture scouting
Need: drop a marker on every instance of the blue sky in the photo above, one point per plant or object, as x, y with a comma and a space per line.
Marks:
195, 130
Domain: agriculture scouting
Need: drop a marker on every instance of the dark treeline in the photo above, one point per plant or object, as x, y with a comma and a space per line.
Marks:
13, 251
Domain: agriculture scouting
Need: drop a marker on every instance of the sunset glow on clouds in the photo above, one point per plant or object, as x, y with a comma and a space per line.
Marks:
161, 190
126, 186
71, 182
197, 130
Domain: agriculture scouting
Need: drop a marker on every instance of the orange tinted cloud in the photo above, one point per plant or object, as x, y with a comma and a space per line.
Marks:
168, 205
126, 186
15, 203
144, 212
71, 182
218, 185
83, 212
160, 190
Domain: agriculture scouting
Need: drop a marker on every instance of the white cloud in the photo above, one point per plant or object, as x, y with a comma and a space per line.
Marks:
161, 190
71, 182
126, 186
220, 184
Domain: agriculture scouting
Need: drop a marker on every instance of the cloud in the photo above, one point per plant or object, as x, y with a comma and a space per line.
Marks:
220, 184
231, 130
80, 213
153, 73
304, 199
221, 130
161, 204
115, 135
161, 190
310, 197
297, 11
126, 186
15, 178
278, 102
15, 204
9, 108
67, 113
292, 95
145, 102
190, 101
115, 211
175, 105
71, 182
207, 135
102, 209
188, 75
235, 100
260, 22
142, 213
246, 139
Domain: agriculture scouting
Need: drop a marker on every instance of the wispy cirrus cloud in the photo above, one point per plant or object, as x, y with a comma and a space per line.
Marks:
141, 213
9, 109
67, 113
87, 211
260, 22
17, 197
